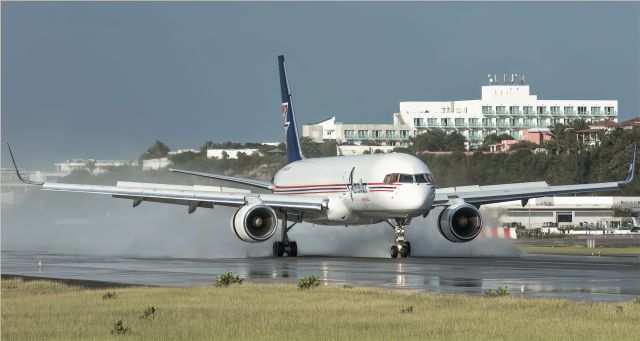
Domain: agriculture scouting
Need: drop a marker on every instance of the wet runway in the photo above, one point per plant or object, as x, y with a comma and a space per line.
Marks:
575, 277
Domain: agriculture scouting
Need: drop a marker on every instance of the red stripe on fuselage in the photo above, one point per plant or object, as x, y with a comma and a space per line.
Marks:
332, 185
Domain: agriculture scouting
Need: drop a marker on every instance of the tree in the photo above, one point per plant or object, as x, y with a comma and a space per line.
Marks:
158, 150
91, 165
433, 140
455, 142
208, 144
493, 139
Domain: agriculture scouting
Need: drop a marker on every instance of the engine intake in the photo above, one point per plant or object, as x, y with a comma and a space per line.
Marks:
460, 223
254, 223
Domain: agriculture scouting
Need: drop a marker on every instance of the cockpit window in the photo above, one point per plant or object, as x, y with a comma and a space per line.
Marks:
409, 178
391, 178
424, 178
406, 178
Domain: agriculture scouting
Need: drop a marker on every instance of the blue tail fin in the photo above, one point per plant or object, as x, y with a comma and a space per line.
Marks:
294, 153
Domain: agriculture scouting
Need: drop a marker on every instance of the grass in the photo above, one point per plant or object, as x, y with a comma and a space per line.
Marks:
40, 310
581, 250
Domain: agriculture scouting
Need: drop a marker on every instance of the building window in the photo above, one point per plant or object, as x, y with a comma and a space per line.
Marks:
565, 217
582, 110
363, 134
376, 134
501, 110
609, 111
555, 110
486, 110
527, 110
445, 122
349, 134
502, 122
529, 123
418, 122
542, 110
595, 110
473, 122
514, 122
391, 134
404, 134
459, 122
514, 110
487, 122
568, 110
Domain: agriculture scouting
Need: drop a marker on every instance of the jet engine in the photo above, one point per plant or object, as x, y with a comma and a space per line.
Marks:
460, 223
254, 223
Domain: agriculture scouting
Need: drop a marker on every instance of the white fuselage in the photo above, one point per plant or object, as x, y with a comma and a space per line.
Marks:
359, 188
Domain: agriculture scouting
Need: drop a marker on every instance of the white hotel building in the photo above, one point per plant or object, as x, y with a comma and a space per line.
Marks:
505, 106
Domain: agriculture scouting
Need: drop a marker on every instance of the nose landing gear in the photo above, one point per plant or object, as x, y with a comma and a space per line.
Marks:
402, 246
285, 245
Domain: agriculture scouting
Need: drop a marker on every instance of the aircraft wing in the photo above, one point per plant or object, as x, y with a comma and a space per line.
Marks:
247, 182
480, 195
192, 196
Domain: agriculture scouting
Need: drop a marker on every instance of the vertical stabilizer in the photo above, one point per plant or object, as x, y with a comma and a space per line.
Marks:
294, 153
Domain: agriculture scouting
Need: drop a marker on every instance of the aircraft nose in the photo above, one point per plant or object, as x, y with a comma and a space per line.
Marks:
420, 197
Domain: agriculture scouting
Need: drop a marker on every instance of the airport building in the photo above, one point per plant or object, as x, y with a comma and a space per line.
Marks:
506, 106
580, 213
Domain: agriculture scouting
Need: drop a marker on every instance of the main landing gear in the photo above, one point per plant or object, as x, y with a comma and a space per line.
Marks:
402, 246
285, 245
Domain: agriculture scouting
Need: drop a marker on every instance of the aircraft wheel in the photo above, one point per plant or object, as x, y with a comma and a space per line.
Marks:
394, 251
407, 245
405, 251
293, 249
278, 249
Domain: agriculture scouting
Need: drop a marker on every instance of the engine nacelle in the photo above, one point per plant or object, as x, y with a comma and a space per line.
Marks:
460, 223
254, 223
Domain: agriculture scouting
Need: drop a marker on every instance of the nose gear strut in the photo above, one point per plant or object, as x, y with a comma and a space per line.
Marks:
402, 246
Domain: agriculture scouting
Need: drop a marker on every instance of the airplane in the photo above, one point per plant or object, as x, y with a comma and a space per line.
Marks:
341, 190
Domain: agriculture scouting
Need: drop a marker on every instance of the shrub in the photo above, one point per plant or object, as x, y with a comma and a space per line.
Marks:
120, 328
228, 279
347, 286
496, 293
308, 282
409, 309
110, 295
149, 313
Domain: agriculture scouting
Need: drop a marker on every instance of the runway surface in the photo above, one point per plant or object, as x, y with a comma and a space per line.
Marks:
574, 277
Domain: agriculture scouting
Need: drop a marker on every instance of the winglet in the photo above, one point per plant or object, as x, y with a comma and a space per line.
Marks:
18, 172
632, 166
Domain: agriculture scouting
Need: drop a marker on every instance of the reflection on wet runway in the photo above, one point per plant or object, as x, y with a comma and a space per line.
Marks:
584, 278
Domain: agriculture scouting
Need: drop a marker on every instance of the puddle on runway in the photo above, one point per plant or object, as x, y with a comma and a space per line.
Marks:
581, 278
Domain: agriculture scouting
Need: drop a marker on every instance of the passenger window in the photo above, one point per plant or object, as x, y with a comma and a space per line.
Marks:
406, 178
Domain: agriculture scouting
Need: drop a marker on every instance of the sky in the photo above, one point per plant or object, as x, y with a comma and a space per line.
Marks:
105, 80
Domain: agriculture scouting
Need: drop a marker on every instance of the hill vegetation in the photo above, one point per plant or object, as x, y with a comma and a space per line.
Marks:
567, 161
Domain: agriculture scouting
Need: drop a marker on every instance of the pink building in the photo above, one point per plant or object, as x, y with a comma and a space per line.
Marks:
536, 135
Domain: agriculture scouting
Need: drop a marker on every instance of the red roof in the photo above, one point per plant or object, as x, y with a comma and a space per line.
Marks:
635, 122
605, 124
